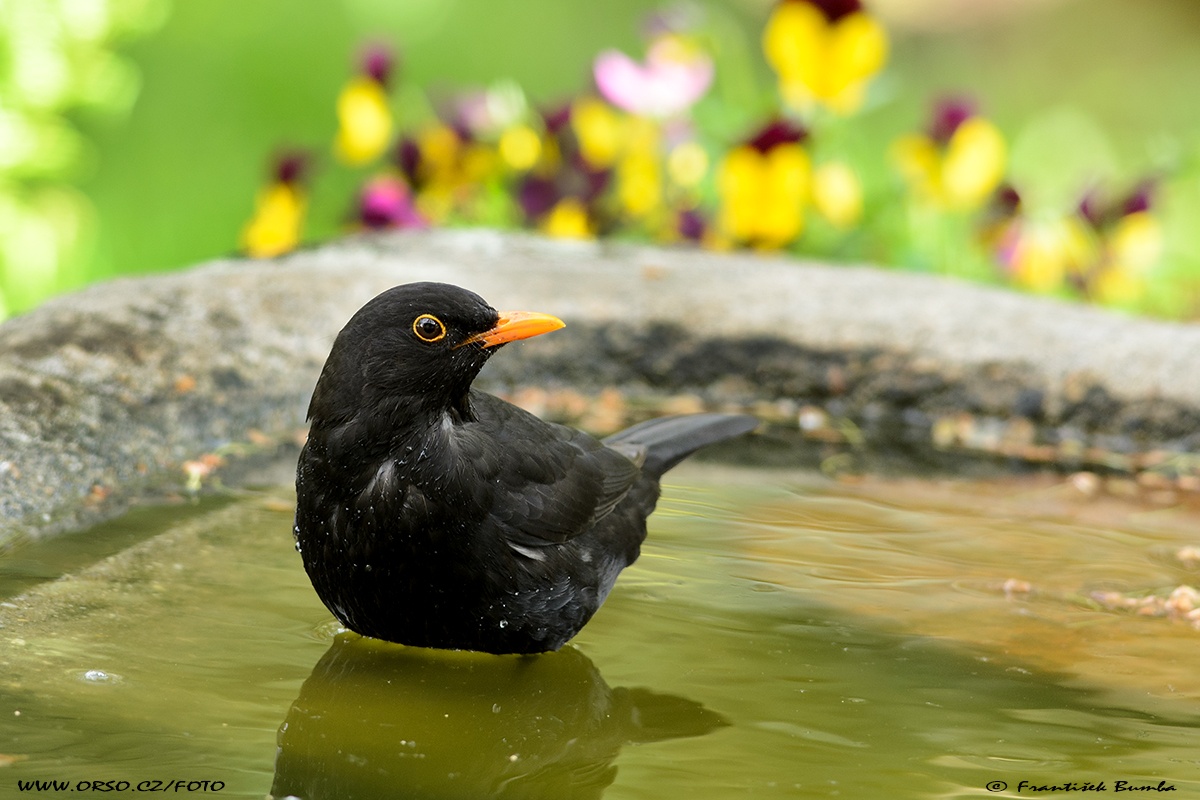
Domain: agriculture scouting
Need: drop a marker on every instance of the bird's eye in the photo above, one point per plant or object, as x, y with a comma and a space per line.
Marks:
429, 328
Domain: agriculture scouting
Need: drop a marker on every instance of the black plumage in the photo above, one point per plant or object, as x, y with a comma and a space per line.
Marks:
432, 514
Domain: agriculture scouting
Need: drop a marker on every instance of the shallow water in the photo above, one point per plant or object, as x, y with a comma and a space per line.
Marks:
782, 636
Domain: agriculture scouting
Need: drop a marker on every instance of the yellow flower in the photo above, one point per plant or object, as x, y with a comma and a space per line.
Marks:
639, 170
520, 147
973, 164
1044, 254
837, 194
550, 159
441, 149
364, 121
479, 163
763, 194
447, 169
435, 202
1137, 241
824, 52
279, 209
1134, 247
639, 184
1118, 286
599, 131
959, 165
275, 227
687, 164
568, 220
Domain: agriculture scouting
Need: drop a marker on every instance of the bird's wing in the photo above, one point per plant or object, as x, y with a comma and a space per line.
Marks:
547, 483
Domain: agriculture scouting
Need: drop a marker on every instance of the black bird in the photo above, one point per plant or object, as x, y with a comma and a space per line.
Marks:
435, 515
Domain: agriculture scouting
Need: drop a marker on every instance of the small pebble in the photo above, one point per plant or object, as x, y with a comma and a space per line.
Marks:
1086, 483
1016, 586
1189, 556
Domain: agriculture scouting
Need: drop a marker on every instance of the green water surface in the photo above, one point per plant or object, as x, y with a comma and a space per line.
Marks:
782, 636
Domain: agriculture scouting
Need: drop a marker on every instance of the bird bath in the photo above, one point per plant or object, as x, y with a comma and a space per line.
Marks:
788, 631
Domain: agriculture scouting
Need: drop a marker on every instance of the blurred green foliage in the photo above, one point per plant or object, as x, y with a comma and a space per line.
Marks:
1085, 91
57, 59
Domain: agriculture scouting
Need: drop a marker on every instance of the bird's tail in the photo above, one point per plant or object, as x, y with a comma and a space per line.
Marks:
662, 443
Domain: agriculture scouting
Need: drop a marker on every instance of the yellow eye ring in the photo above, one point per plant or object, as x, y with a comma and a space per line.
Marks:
429, 328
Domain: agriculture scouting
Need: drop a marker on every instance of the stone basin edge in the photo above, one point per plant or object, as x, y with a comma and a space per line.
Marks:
138, 386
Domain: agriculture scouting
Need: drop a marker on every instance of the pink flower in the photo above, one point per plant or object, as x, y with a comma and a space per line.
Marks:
673, 78
385, 202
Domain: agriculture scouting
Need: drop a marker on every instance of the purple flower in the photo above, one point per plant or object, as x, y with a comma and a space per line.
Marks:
1007, 200
833, 9
691, 224
1100, 214
407, 158
1140, 199
575, 178
377, 62
468, 112
948, 114
556, 119
291, 167
537, 196
1091, 208
680, 17
776, 133
584, 181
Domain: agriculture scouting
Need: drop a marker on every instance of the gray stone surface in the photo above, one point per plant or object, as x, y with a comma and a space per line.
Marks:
105, 393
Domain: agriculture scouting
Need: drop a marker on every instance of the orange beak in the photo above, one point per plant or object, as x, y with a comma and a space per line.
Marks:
514, 325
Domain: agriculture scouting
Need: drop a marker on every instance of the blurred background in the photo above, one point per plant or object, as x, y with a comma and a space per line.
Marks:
135, 134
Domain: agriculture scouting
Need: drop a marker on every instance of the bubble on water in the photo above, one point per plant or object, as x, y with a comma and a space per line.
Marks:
99, 676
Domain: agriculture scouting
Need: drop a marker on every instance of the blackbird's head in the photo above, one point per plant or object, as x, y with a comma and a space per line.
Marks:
415, 348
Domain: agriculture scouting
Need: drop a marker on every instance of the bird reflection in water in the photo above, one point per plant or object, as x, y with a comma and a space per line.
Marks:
377, 720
